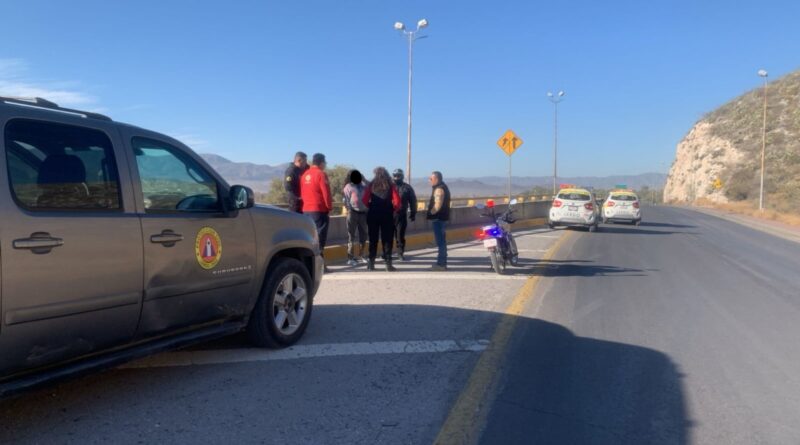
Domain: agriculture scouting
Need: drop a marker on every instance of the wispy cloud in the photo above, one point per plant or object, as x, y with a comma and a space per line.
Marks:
15, 80
192, 140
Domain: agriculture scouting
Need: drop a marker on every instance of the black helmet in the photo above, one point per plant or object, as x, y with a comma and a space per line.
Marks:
398, 173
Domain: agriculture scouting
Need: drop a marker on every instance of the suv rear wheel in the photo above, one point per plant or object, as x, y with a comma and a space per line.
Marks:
284, 307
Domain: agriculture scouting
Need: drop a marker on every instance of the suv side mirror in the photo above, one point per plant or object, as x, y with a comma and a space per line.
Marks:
242, 197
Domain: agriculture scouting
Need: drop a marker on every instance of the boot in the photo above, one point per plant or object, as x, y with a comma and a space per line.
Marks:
371, 264
389, 267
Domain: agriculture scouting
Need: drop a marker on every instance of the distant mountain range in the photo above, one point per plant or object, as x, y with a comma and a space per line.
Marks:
255, 176
258, 177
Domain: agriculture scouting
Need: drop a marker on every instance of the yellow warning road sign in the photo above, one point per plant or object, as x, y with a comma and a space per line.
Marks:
509, 142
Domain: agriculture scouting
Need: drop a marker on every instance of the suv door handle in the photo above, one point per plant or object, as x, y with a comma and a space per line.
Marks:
168, 238
38, 242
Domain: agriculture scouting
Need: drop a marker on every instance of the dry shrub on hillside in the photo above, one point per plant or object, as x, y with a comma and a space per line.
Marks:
750, 208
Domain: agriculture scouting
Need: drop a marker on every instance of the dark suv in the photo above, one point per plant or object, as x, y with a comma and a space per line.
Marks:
117, 242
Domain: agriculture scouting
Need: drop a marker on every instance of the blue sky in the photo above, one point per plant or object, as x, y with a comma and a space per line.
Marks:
256, 81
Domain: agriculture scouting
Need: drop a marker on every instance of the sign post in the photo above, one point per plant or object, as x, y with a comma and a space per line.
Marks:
509, 142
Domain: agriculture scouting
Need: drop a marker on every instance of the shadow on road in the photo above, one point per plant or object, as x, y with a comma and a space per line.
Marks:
633, 230
564, 389
568, 269
672, 226
526, 266
558, 388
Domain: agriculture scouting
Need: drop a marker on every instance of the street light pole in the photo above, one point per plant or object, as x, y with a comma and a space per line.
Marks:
763, 74
411, 36
555, 99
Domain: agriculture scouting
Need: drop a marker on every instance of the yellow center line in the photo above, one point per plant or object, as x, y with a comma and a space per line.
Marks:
468, 416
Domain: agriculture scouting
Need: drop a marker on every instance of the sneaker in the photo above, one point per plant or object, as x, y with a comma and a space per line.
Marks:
325, 269
438, 268
363, 259
352, 262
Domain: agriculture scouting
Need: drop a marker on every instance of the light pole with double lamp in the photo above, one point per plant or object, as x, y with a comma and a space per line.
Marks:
763, 74
555, 98
412, 37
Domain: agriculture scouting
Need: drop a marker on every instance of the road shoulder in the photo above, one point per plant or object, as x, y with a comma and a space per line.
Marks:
771, 227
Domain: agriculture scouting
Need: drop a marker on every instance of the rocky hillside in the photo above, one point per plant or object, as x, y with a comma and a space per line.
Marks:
720, 158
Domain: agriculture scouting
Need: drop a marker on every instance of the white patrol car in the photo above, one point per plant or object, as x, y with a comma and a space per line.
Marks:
623, 206
574, 207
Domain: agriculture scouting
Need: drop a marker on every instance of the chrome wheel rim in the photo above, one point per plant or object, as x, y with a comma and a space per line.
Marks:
289, 304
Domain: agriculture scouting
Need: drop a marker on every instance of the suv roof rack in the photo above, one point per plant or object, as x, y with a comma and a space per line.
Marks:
38, 102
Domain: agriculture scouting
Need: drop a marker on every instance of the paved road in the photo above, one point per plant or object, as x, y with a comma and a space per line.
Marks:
683, 330
383, 361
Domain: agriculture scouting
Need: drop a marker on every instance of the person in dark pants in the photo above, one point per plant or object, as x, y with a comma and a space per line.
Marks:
316, 194
353, 197
383, 201
408, 212
439, 215
291, 183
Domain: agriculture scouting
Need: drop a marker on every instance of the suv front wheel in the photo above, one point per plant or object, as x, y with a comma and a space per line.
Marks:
284, 307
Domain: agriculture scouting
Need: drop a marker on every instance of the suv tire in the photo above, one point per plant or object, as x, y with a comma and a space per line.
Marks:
285, 298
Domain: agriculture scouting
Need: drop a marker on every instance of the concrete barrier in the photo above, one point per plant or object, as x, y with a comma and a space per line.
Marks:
464, 222
459, 216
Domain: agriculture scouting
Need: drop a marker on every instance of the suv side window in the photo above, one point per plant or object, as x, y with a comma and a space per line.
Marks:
172, 181
61, 167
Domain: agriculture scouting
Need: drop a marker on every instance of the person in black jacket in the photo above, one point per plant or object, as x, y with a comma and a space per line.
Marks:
408, 211
291, 183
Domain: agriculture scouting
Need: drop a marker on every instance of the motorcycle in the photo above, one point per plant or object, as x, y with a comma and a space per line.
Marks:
497, 237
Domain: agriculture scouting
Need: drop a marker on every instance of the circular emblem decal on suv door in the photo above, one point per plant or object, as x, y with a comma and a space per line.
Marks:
208, 248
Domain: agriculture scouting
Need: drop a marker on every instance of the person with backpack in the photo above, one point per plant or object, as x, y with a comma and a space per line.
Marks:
353, 197
382, 201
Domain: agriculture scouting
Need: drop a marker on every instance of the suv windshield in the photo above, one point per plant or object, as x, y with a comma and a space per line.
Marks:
624, 198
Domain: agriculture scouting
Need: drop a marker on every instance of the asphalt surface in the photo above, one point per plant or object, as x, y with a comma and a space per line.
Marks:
683, 330
383, 360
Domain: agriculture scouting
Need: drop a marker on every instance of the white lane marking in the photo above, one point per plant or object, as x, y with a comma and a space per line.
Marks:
215, 357
437, 276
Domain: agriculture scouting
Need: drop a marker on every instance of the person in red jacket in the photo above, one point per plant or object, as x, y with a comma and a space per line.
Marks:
316, 195
383, 202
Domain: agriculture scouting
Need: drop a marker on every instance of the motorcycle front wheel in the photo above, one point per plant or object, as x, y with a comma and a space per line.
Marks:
512, 244
496, 262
